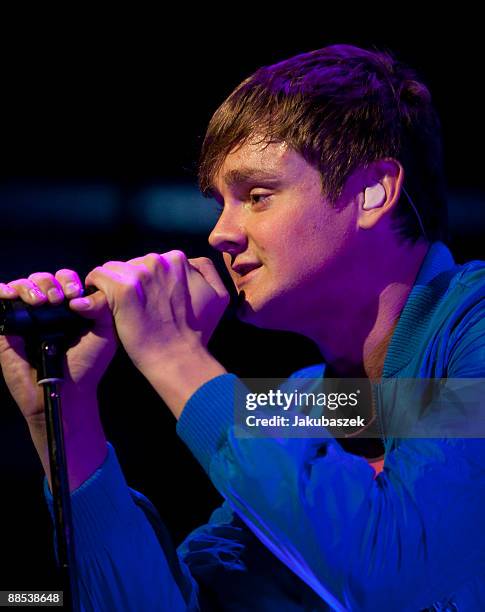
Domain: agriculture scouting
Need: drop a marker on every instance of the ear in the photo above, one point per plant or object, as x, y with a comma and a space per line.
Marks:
383, 182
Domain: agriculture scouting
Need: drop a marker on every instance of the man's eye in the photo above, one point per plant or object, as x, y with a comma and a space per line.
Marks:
258, 198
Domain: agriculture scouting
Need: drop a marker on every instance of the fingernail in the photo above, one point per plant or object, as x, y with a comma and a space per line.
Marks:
54, 294
35, 294
82, 303
71, 287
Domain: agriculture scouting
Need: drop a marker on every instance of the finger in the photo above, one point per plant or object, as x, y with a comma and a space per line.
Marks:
28, 291
70, 283
160, 266
115, 265
6, 292
151, 266
115, 275
176, 261
206, 267
166, 269
151, 261
175, 256
49, 286
106, 281
93, 306
123, 270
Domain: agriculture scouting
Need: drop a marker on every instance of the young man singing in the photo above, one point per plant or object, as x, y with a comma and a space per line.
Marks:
328, 170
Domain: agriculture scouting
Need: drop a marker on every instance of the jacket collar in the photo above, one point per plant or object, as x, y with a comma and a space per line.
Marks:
428, 288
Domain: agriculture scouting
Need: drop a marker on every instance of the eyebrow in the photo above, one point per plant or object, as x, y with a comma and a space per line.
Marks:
244, 175
240, 176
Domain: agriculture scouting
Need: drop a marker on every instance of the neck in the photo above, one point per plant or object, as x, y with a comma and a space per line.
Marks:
354, 343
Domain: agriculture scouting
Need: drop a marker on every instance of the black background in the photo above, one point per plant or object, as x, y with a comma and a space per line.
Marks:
91, 100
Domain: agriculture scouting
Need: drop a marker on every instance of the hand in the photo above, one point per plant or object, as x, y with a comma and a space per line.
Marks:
85, 362
160, 303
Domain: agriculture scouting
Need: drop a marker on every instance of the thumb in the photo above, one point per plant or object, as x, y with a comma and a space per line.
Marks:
206, 268
92, 306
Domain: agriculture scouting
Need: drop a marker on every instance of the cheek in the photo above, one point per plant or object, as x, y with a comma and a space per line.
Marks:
320, 235
301, 239
305, 250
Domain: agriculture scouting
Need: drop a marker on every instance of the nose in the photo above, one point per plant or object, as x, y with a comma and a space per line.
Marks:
229, 234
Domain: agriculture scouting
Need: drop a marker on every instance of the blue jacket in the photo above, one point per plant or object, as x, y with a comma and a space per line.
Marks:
306, 525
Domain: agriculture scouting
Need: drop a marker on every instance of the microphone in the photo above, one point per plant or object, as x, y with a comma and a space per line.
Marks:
20, 319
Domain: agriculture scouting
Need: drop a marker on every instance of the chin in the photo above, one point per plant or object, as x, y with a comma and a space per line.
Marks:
266, 315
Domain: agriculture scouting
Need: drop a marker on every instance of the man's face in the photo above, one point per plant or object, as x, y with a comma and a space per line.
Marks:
285, 247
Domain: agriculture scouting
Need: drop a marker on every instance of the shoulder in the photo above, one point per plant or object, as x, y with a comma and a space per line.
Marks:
449, 299
461, 314
469, 278
465, 297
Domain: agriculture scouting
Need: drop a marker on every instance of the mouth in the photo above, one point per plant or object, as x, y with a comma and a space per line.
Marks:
245, 275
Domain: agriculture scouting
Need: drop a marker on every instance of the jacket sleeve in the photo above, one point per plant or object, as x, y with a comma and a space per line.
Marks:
235, 571
124, 556
400, 541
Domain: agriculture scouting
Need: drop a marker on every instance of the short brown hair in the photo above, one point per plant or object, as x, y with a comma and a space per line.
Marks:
341, 107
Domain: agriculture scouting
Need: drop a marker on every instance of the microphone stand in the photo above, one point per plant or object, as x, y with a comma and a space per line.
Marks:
50, 374
47, 331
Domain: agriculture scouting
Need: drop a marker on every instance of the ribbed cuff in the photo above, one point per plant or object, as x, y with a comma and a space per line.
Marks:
208, 415
99, 504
